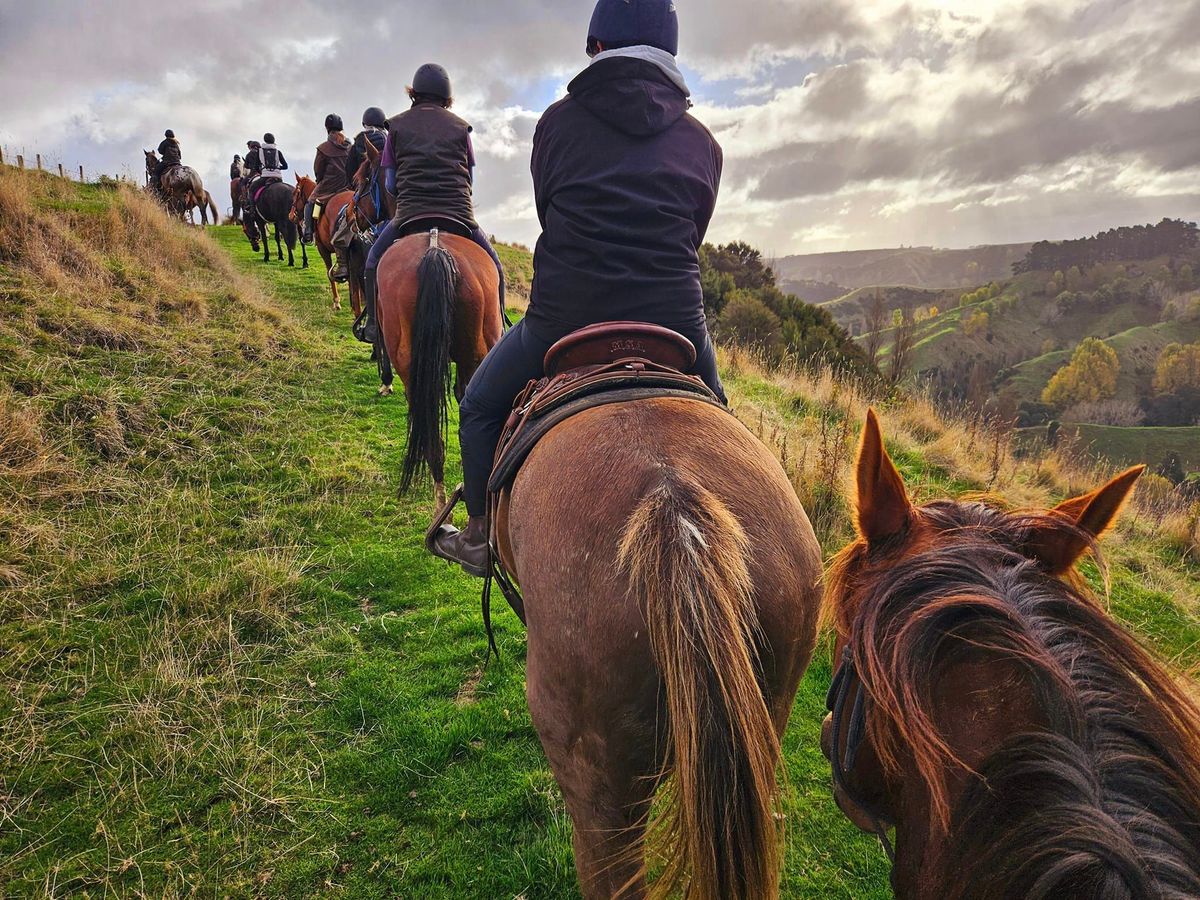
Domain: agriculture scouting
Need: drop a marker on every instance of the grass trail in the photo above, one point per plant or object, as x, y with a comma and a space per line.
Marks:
240, 674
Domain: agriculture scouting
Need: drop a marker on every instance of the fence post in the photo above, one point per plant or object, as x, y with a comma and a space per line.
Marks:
39, 161
20, 161
81, 173
1, 156
60, 171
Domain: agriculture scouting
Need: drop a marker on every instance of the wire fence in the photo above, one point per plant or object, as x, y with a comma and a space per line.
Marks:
52, 165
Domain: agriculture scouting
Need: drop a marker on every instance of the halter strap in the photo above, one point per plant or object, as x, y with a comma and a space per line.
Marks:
842, 759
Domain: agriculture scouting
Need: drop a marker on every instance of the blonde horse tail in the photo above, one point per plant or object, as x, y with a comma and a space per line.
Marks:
687, 560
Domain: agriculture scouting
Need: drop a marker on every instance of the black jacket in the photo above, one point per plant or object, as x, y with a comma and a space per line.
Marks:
358, 152
625, 182
170, 153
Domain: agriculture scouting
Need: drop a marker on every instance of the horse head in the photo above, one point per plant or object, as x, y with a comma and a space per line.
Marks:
976, 678
304, 189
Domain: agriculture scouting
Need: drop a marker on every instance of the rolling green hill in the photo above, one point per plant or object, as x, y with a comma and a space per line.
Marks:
227, 665
922, 267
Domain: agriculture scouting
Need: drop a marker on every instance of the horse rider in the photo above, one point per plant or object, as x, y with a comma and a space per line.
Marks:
429, 166
329, 171
374, 123
265, 164
625, 182
236, 168
169, 156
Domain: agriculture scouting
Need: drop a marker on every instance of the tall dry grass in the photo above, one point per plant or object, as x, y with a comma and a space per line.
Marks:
813, 420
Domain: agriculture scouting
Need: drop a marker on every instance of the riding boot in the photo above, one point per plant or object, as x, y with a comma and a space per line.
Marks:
365, 328
468, 548
340, 271
307, 237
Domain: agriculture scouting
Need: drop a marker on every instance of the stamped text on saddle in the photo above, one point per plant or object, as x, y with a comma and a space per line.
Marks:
613, 362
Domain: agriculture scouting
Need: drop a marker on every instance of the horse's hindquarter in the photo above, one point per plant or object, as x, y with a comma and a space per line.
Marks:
569, 509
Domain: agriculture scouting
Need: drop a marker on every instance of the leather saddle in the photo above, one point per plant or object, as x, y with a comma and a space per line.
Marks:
613, 362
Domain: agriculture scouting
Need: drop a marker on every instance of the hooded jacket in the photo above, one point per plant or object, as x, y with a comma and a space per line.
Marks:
170, 152
625, 182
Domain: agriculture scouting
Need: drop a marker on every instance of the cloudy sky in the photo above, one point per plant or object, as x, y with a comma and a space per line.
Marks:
846, 124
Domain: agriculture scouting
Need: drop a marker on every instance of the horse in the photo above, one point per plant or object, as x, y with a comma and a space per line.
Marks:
235, 198
272, 206
1021, 743
323, 234
372, 205
671, 584
204, 205
181, 189
438, 302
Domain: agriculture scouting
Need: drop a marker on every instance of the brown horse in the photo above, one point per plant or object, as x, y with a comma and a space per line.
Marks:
438, 303
204, 203
324, 234
1022, 744
672, 589
181, 189
235, 199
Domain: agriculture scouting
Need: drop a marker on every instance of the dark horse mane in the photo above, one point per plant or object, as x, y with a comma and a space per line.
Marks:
1102, 800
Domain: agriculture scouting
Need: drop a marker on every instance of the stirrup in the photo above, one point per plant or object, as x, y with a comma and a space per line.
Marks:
443, 516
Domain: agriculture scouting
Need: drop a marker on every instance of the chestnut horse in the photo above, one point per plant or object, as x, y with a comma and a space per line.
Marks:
1021, 742
672, 588
438, 303
323, 234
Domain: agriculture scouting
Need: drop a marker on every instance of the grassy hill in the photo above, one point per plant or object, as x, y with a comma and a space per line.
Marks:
1129, 446
227, 666
922, 267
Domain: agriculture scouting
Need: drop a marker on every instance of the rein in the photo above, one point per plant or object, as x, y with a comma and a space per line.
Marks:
842, 760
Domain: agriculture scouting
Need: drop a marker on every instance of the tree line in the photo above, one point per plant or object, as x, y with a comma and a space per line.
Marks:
746, 307
1170, 237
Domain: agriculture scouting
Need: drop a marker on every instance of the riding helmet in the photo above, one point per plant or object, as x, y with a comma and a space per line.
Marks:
253, 145
333, 122
433, 81
374, 116
168, 133
628, 23
268, 138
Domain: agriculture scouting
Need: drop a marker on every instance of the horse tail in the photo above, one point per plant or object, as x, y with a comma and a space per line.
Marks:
212, 205
429, 376
687, 560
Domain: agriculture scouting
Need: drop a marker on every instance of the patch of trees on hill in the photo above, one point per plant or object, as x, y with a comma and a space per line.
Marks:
1170, 237
745, 307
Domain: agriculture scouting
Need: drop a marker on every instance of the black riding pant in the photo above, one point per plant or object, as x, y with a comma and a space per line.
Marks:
513, 363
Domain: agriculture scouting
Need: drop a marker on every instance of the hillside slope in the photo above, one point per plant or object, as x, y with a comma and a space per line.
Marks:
921, 267
227, 666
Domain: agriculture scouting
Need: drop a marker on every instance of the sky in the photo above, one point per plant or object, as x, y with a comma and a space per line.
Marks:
846, 124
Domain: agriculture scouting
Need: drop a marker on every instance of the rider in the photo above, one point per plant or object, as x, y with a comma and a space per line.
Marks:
428, 164
236, 168
273, 162
375, 125
169, 156
329, 171
253, 161
625, 182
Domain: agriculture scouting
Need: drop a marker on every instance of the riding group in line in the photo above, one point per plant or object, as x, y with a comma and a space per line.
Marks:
988, 720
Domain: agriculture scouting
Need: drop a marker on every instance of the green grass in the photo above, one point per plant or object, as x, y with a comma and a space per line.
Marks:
229, 667
1130, 446
234, 670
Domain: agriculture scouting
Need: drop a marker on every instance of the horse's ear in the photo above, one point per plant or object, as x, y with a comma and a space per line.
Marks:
884, 509
1093, 514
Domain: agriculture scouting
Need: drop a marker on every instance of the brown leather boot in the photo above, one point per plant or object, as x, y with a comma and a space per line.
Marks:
468, 548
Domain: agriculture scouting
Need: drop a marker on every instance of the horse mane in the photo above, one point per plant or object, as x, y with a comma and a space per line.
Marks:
1102, 798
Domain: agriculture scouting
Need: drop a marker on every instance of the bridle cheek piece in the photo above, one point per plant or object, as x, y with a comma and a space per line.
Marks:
846, 683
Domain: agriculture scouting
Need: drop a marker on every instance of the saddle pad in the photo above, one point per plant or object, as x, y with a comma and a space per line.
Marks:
513, 456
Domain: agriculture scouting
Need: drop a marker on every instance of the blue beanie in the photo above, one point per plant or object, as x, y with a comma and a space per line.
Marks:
631, 22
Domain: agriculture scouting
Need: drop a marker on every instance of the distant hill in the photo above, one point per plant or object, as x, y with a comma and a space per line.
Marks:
923, 267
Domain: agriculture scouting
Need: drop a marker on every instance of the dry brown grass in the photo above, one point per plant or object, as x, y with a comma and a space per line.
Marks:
813, 420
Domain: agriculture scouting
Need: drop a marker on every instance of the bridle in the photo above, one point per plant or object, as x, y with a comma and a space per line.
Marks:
846, 683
